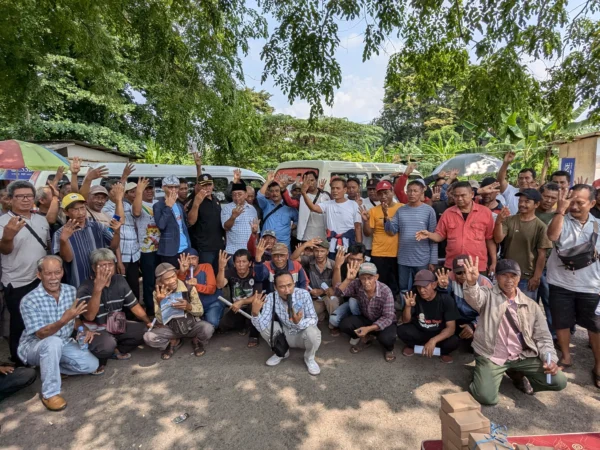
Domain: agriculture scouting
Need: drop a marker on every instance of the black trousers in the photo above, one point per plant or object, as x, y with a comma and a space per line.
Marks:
233, 321
148, 262
13, 382
13, 297
132, 275
411, 335
103, 346
385, 337
387, 268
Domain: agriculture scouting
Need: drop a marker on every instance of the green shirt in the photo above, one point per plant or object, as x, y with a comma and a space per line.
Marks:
545, 217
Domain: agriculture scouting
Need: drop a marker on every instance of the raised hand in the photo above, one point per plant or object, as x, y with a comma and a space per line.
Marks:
223, 259
115, 225
270, 176
437, 193
580, 180
564, 201
171, 198
67, 231
197, 158
118, 191
503, 214
237, 175
184, 262
102, 277
254, 225
489, 189
142, 184
12, 228
58, 177
410, 168
353, 267
442, 174
442, 277
359, 200
97, 172
304, 188
237, 211
364, 214
127, 171
453, 175
53, 189
161, 292
423, 234
75, 165
340, 257
258, 302
472, 270
199, 197
410, 299
75, 310
322, 183
260, 250
509, 157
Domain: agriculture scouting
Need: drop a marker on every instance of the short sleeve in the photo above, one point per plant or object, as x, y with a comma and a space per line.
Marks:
325, 206
450, 310
372, 220
357, 217
542, 235
85, 290
442, 226
32, 317
109, 209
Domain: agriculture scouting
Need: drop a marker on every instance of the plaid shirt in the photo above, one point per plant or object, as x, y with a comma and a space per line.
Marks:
238, 235
379, 309
130, 246
301, 300
40, 309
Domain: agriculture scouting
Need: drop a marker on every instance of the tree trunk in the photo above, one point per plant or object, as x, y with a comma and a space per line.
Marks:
546, 164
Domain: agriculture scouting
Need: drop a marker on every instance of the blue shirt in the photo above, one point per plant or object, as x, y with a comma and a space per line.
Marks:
280, 221
183, 242
40, 309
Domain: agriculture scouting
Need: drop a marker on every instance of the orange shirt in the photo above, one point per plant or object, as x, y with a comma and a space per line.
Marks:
466, 237
211, 282
383, 244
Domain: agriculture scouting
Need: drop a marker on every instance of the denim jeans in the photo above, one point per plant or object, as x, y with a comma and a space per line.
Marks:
213, 310
55, 358
525, 290
544, 294
406, 275
13, 382
351, 307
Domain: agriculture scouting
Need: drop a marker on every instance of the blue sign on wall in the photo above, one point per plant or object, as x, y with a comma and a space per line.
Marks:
568, 165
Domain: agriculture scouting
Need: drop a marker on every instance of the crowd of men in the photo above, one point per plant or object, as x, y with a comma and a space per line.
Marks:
431, 266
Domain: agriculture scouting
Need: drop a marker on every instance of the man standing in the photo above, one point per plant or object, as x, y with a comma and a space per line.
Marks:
297, 320
574, 289
384, 253
96, 200
204, 218
467, 227
563, 179
277, 215
595, 211
366, 204
413, 254
377, 319
49, 313
344, 224
311, 224
511, 336
524, 240
489, 196
526, 180
170, 219
236, 218
429, 319
25, 239
545, 211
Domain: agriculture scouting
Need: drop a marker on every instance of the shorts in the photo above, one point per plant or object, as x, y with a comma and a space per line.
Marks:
569, 308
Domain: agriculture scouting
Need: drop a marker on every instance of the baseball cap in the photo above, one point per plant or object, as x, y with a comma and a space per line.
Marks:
324, 243
384, 186
474, 184
508, 266
424, 278
192, 252
205, 179
367, 269
171, 180
163, 268
98, 190
69, 199
531, 194
129, 186
458, 265
372, 183
269, 233
280, 249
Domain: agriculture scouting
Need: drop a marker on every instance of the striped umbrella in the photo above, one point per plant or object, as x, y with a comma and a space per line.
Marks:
19, 155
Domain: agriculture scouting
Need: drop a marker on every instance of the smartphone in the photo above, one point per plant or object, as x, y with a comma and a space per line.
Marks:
117, 218
181, 418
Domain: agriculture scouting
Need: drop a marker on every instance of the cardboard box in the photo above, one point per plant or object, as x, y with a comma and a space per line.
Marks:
465, 421
449, 435
450, 446
461, 401
478, 437
464, 435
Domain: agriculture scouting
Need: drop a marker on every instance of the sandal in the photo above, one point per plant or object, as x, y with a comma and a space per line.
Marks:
120, 356
408, 351
198, 348
523, 385
99, 371
362, 344
335, 332
596, 379
390, 356
563, 365
170, 350
252, 342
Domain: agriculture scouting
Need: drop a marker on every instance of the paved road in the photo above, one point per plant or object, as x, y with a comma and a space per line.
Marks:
235, 401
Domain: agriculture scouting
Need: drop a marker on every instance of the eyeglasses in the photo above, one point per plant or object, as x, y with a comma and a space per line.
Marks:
24, 196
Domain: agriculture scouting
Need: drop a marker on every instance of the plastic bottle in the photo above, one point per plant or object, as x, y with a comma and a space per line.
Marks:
81, 338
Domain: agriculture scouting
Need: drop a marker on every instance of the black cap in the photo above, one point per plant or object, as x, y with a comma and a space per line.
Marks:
241, 186
458, 264
531, 194
372, 183
205, 178
487, 181
508, 266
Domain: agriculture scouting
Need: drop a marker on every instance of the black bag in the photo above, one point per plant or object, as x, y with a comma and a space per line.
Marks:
183, 325
279, 344
581, 255
515, 328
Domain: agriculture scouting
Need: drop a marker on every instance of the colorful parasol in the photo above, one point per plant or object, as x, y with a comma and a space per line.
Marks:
19, 155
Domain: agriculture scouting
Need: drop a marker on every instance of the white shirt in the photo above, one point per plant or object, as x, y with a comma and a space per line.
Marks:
511, 201
341, 217
310, 224
148, 232
368, 240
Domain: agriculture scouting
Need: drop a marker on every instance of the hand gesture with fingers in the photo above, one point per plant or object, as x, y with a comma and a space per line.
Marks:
411, 299
102, 277
68, 230
12, 228
322, 183
184, 262
410, 168
89, 336
161, 292
142, 184
564, 201
442, 277
453, 175
260, 250
97, 172
314, 242
353, 267
118, 191
304, 188
437, 193
170, 198
503, 214
509, 157
258, 301
223, 259
384, 208
296, 316
340, 257
237, 175
254, 226
237, 211
76, 309
489, 189
75, 165
198, 159
364, 214
472, 270
270, 176
581, 180
421, 235
127, 171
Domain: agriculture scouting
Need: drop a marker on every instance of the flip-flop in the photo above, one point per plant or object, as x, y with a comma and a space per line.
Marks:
252, 342
362, 345
170, 350
99, 371
390, 357
524, 386
121, 356
564, 365
198, 348
596, 379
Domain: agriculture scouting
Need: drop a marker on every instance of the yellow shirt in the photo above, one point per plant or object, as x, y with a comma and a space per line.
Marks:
383, 244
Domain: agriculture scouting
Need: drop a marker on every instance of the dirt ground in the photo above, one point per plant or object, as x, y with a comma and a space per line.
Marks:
235, 401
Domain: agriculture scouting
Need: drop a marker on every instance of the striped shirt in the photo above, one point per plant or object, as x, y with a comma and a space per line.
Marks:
40, 309
238, 235
92, 236
114, 298
406, 222
130, 246
301, 301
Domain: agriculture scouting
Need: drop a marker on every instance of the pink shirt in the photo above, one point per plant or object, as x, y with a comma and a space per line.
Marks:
508, 346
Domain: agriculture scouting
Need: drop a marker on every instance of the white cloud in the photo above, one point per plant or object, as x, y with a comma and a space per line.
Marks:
538, 69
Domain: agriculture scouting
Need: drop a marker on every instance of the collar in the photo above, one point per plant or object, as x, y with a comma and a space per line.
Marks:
329, 264
590, 218
519, 300
476, 208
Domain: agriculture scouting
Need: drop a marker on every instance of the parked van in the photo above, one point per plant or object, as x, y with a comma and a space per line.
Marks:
222, 175
345, 169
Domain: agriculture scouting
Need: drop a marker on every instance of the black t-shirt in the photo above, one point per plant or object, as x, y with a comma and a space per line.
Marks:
242, 287
207, 234
440, 207
432, 316
115, 297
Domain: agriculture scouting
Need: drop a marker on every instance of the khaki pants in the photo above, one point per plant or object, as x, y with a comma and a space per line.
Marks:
329, 304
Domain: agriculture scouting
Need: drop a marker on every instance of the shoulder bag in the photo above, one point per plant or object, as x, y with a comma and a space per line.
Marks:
581, 255
273, 211
279, 344
183, 325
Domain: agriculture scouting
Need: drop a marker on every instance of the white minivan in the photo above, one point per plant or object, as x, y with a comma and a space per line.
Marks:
222, 175
345, 169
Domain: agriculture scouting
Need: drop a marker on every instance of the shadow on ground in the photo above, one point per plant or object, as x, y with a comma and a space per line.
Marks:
235, 401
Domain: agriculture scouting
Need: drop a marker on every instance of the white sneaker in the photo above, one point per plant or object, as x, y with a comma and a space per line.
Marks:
313, 367
274, 360
354, 341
